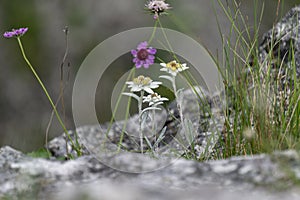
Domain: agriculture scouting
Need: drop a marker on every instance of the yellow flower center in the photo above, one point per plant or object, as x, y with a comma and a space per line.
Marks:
142, 80
173, 65
154, 95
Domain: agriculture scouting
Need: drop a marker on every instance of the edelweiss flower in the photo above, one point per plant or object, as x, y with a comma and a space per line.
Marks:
173, 67
154, 99
15, 33
143, 83
157, 7
143, 55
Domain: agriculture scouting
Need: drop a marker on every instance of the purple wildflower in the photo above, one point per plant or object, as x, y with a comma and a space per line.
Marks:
143, 55
15, 32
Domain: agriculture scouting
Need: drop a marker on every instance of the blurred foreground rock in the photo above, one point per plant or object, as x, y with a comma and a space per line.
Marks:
262, 176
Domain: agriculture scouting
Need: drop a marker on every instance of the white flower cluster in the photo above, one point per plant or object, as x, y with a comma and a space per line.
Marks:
154, 99
157, 7
143, 83
173, 67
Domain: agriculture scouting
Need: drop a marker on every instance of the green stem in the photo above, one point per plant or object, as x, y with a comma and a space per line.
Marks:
131, 74
167, 40
179, 101
45, 90
153, 33
124, 125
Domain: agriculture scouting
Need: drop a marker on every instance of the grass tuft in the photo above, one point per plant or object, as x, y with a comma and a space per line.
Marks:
263, 110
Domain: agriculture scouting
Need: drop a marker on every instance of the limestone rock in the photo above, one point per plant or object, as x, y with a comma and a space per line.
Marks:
281, 41
23, 177
279, 57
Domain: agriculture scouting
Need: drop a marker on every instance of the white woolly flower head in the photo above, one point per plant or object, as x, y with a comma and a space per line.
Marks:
154, 99
143, 83
173, 67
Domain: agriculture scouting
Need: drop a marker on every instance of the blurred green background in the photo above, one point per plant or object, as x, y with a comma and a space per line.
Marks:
25, 111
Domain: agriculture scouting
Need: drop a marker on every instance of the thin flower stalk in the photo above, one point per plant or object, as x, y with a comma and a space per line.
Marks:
154, 100
77, 146
173, 68
140, 106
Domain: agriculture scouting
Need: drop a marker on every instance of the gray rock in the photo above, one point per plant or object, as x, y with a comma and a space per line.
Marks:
279, 43
23, 177
278, 70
